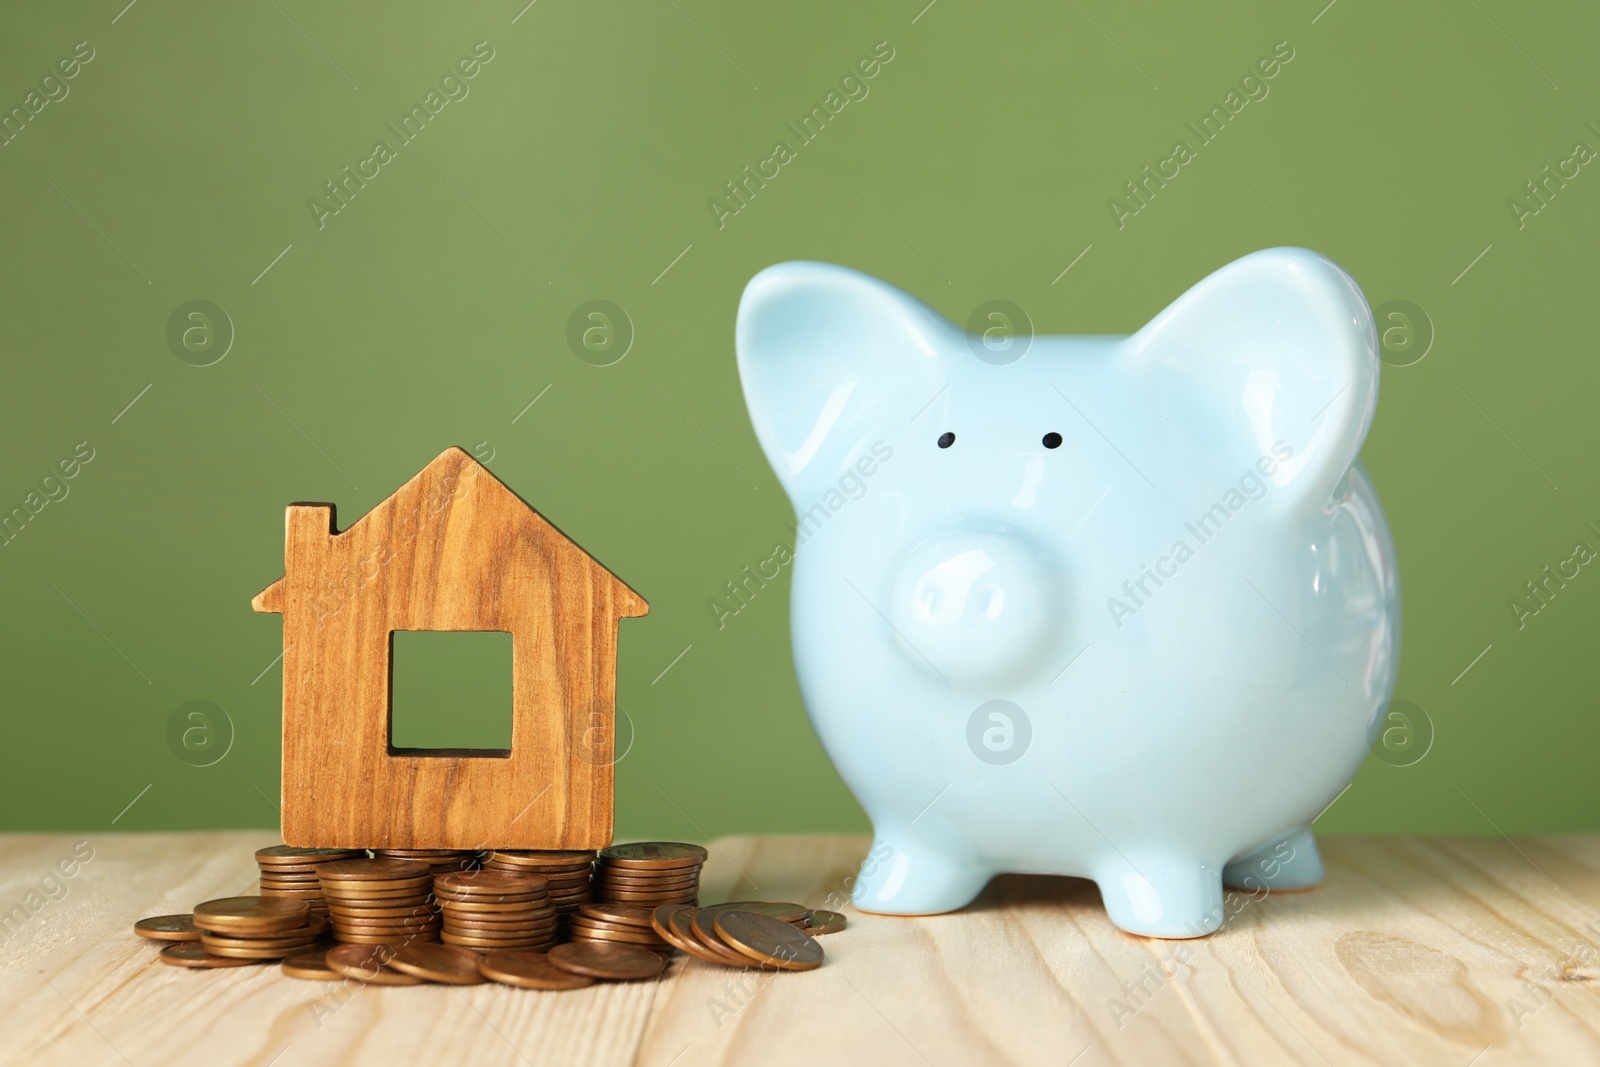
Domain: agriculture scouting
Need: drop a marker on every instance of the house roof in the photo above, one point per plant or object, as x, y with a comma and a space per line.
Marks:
451, 462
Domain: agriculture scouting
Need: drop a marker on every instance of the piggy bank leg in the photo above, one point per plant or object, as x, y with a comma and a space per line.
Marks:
904, 876
1161, 896
1290, 861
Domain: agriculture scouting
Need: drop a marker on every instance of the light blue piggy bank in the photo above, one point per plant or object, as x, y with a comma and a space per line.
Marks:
1124, 608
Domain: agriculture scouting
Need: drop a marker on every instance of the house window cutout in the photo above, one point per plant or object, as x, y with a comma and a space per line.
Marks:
450, 693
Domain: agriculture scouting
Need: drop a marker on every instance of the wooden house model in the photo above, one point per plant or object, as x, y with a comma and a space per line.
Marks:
452, 549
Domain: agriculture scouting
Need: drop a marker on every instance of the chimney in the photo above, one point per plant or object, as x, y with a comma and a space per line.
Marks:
307, 530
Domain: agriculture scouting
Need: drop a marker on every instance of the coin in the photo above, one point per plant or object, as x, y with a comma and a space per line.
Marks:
250, 913
553, 858
168, 928
789, 913
624, 914
261, 953
311, 965
617, 937
615, 962
193, 954
276, 855
655, 896
387, 939
768, 941
375, 870
473, 907
438, 963
532, 925
677, 885
511, 933
367, 964
538, 944
824, 922
654, 854
489, 882
661, 921
701, 927
342, 910
367, 887
530, 970
308, 932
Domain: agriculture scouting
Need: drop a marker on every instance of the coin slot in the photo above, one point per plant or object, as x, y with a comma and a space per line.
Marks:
450, 693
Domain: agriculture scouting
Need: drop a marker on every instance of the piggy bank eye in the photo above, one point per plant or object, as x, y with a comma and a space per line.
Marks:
1052, 440
947, 439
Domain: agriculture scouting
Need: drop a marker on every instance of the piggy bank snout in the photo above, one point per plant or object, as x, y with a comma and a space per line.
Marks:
979, 607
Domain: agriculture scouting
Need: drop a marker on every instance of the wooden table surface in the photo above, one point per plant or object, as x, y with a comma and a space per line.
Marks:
1416, 950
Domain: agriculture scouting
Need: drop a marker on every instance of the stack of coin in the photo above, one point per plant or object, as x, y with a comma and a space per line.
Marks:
292, 872
625, 924
257, 928
650, 873
380, 902
736, 938
439, 860
567, 872
493, 909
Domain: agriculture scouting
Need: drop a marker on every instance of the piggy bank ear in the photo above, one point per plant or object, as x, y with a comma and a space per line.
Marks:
1274, 353
826, 356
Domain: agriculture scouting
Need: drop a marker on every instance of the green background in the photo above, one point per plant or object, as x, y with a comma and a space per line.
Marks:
434, 308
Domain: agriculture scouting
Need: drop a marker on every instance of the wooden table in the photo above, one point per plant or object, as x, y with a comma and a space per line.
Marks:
1423, 951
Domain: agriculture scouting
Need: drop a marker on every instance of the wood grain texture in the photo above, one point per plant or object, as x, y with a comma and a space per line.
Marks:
1418, 951
452, 549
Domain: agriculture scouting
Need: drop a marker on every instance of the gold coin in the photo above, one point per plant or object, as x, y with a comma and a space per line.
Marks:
250, 913
438, 963
614, 962
770, 942
168, 928
193, 954
654, 855
368, 964
825, 922
789, 913
312, 965
374, 870
702, 928
530, 970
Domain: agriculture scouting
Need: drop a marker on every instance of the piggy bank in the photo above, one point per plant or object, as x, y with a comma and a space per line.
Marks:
1123, 608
